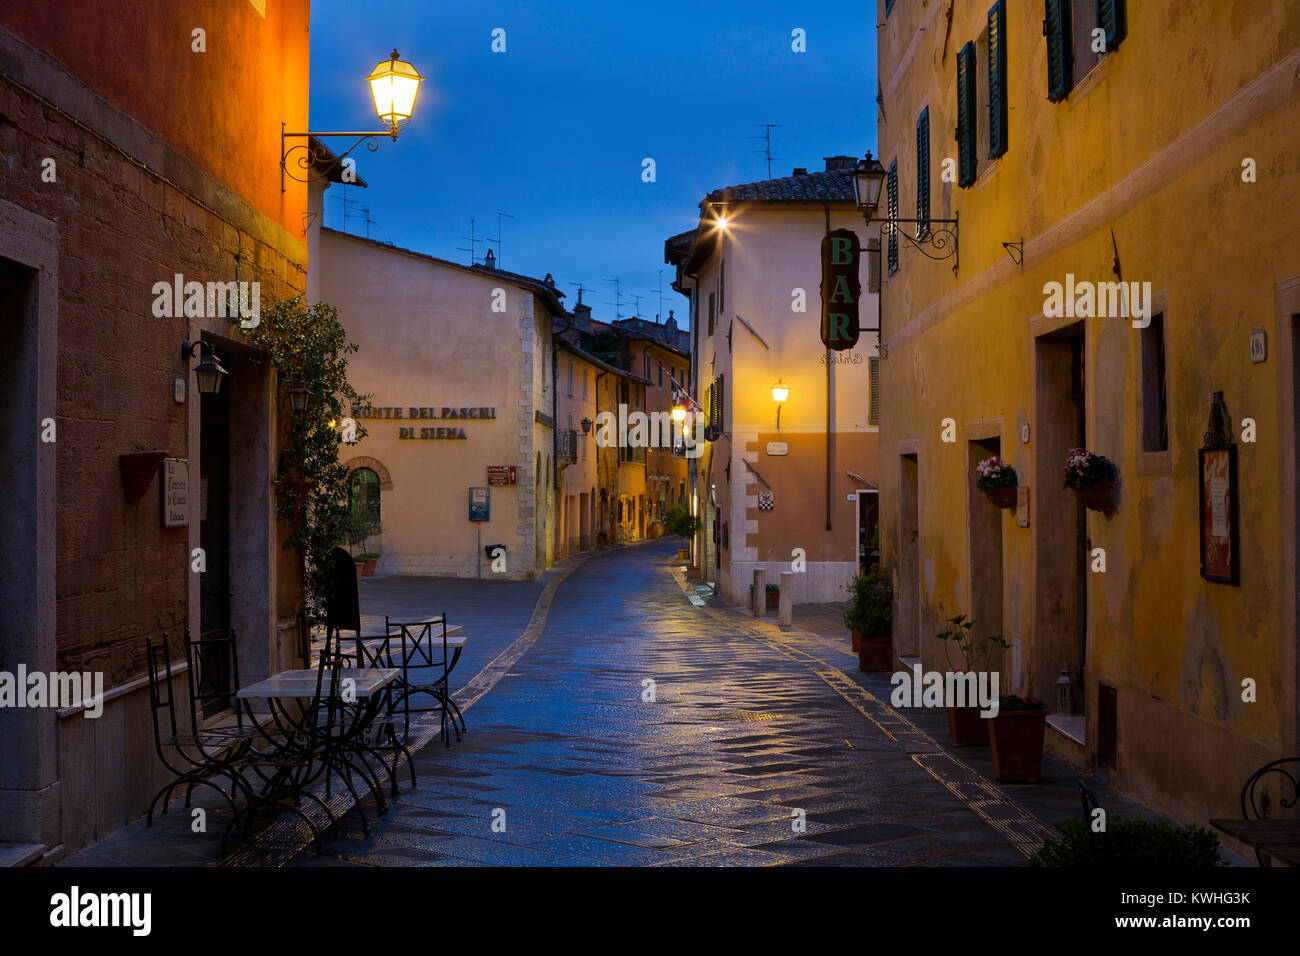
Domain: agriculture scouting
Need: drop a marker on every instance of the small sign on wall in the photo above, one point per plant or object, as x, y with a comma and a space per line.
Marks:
479, 504
766, 501
1022, 505
1258, 346
501, 474
778, 448
176, 493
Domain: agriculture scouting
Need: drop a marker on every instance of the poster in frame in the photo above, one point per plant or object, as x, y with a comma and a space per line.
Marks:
1217, 500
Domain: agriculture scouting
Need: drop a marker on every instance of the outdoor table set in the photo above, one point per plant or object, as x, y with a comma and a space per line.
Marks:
337, 723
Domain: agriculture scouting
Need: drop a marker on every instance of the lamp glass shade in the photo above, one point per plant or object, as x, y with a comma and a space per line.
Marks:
868, 178
209, 374
299, 398
393, 86
679, 413
780, 392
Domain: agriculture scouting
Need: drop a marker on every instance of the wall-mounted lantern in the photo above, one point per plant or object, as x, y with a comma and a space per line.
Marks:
394, 85
586, 426
209, 372
780, 392
933, 243
299, 398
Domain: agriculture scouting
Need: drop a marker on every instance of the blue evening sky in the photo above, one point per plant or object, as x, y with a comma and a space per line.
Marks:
554, 130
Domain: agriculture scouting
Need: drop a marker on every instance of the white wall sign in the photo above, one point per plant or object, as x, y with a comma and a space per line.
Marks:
778, 448
1258, 346
176, 492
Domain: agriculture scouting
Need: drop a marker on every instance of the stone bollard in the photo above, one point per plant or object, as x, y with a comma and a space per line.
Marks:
785, 614
760, 592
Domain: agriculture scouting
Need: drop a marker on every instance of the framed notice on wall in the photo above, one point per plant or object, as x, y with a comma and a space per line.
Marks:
1218, 501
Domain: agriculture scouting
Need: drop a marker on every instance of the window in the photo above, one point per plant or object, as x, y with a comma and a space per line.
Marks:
891, 199
966, 152
1079, 33
584, 383
646, 356
997, 72
722, 288
661, 376
712, 312
363, 493
873, 367
571, 378
923, 173
1155, 388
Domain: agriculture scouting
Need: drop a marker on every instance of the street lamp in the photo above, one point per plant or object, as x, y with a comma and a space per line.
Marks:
209, 372
394, 84
868, 179
299, 398
780, 392
679, 413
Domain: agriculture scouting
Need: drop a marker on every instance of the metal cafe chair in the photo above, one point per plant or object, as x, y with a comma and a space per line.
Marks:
197, 758
1255, 805
426, 657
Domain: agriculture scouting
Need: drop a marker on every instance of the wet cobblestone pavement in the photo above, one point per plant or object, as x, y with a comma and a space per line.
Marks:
640, 728
570, 752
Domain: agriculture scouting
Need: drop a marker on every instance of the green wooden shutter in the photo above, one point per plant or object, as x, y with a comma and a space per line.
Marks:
1060, 50
997, 79
1113, 18
873, 415
923, 173
966, 115
891, 192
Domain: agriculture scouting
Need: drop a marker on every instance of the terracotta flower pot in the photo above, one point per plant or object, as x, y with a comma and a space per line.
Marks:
1016, 739
1099, 497
875, 652
368, 567
1004, 497
855, 639
966, 728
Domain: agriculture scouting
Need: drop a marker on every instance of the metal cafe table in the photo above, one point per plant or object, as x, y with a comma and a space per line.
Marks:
338, 748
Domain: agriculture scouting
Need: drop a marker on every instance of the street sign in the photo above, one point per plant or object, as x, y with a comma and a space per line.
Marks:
479, 504
501, 475
841, 289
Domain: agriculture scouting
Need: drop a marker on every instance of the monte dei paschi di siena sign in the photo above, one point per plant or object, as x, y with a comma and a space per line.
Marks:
426, 412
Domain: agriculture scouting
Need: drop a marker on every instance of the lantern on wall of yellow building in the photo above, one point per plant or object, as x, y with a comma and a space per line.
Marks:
780, 392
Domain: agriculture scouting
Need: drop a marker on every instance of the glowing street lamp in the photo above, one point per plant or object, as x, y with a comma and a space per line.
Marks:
679, 413
780, 392
394, 84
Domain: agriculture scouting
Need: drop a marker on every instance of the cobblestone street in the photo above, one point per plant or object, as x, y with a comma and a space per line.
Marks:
748, 725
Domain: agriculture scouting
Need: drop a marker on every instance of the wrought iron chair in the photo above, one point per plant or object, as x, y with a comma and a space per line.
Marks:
197, 758
1256, 795
426, 657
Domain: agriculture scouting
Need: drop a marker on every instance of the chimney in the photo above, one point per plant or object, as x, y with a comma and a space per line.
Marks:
491, 260
835, 164
582, 317
671, 325
799, 171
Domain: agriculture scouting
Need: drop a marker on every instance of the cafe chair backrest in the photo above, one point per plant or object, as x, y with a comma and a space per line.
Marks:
342, 609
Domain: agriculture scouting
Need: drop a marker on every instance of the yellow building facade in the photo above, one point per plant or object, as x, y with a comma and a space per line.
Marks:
1167, 158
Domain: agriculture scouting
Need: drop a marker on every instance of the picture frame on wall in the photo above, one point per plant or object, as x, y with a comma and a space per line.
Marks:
1217, 497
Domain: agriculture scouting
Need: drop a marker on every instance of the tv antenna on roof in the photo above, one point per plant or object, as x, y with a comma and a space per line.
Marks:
660, 292
500, 216
473, 244
636, 305
581, 289
618, 299
767, 144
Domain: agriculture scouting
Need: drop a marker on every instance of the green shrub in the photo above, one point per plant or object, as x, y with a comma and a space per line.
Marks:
1131, 843
679, 521
870, 608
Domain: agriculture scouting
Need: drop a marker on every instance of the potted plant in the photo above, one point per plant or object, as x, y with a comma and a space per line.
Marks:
965, 725
1016, 738
997, 479
1094, 478
868, 615
681, 522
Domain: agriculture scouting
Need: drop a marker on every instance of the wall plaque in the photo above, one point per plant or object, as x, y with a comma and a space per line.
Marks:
175, 492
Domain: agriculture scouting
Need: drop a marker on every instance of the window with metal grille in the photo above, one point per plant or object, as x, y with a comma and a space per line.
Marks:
923, 173
891, 208
363, 492
713, 315
873, 415
1155, 387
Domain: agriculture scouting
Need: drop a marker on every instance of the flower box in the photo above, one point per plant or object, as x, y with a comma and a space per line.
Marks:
1016, 739
1004, 497
966, 728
